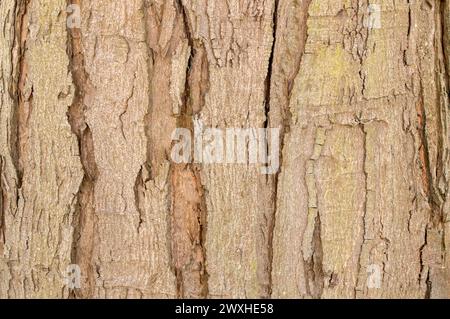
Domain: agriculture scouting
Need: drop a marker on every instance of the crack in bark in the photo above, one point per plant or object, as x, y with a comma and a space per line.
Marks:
139, 185
312, 236
280, 114
314, 271
84, 218
269, 181
436, 195
422, 266
423, 148
363, 219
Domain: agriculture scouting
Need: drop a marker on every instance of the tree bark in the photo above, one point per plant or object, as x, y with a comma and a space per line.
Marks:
87, 116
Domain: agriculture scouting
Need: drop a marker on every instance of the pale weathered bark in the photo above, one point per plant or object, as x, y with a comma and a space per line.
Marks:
86, 121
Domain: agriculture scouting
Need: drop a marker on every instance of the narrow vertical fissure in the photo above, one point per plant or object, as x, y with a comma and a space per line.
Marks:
428, 282
362, 240
84, 219
268, 82
271, 111
437, 191
312, 236
429, 287
270, 181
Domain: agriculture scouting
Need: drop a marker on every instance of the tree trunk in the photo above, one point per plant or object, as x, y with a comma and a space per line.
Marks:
359, 207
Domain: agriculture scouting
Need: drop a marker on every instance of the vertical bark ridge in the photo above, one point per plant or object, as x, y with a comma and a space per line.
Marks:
237, 40
269, 183
444, 169
9, 143
312, 237
437, 159
188, 206
43, 152
84, 219
290, 38
22, 96
179, 82
442, 183
363, 225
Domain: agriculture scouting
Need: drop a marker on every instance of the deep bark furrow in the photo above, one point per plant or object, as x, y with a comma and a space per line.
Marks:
270, 181
84, 219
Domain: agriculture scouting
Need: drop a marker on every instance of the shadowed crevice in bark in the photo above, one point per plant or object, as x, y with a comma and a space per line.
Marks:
139, 186
362, 240
268, 182
314, 265
423, 149
282, 72
428, 283
84, 217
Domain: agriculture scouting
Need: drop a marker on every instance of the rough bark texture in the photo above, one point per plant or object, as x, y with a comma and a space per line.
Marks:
86, 122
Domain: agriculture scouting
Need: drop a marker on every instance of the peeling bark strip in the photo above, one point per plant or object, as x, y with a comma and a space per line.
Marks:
84, 219
360, 206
